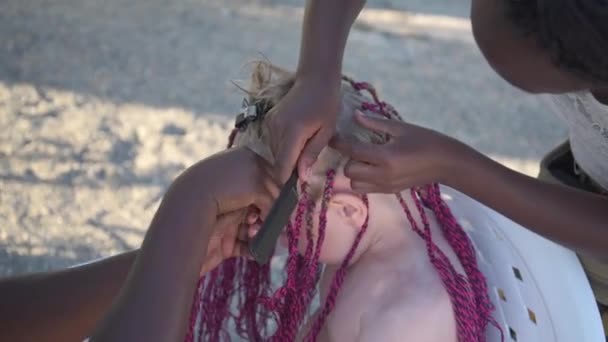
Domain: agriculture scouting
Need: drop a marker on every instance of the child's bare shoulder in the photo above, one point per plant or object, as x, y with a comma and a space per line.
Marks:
419, 319
417, 308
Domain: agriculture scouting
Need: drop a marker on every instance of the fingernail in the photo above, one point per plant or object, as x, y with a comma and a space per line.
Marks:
305, 173
366, 115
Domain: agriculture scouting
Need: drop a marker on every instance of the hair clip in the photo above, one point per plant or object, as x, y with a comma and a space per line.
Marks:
248, 113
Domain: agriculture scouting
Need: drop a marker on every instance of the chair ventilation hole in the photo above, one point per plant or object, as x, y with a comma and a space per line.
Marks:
513, 334
501, 294
498, 236
532, 316
517, 274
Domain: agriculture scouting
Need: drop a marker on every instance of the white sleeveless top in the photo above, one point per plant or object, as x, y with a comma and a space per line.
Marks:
587, 121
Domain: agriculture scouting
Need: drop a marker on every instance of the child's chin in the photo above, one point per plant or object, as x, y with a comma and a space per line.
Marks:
331, 260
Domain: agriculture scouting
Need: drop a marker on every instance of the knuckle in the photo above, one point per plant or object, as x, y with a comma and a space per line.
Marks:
384, 156
389, 174
348, 171
395, 186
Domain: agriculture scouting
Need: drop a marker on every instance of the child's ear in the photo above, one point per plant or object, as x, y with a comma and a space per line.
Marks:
350, 208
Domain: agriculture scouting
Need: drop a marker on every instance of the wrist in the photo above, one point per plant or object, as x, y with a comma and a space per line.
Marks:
462, 162
179, 235
324, 79
190, 205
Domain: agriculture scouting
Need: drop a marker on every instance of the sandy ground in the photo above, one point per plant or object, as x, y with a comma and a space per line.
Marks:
102, 103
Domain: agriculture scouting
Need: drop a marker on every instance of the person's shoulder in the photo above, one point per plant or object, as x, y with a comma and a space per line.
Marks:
413, 315
583, 97
577, 108
570, 97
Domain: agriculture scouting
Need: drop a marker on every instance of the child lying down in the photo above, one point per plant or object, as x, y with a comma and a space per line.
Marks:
397, 267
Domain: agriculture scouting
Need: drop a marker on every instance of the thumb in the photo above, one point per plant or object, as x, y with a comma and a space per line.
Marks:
228, 226
229, 221
312, 150
287, 155
378, 124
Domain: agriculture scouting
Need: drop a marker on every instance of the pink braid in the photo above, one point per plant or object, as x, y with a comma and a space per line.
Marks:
336, 284
462, 246
249, 283
194, 312
469, 295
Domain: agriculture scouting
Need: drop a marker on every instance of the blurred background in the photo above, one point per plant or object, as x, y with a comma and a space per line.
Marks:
103, 103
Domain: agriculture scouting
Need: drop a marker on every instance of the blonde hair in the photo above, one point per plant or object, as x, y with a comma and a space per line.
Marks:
269, 84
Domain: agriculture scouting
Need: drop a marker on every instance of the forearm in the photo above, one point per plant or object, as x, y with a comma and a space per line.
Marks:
155, 303
324, 35
64, 305
574, 218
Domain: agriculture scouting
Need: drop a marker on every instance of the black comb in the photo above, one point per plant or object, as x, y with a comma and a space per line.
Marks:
263, 243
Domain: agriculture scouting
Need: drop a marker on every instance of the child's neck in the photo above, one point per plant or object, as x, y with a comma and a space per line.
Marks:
390, 236
388, 229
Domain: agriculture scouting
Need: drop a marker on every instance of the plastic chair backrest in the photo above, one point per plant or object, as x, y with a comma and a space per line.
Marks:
539, 288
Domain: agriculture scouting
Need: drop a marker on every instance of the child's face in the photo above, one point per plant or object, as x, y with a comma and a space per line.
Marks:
345, 215
520, 61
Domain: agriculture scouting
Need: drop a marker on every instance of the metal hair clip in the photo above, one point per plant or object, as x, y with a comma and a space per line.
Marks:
247, 114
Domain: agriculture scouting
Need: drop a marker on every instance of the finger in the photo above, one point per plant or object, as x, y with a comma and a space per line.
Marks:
357, 150
393, 187
211, 262
253, 230
264, 203
268, 176
363, 172
379, 124
232, 218
227, 228
288, 153
311, 151
271, 187
253, 215
243, 232
215, 243
241, 250
229, 239
370, 188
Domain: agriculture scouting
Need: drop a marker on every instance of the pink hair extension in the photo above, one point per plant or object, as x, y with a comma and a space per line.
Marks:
291, 308
456, 285
249, 283
215, 291
463, 248
469, 295
246, 286
194, 312
336, 284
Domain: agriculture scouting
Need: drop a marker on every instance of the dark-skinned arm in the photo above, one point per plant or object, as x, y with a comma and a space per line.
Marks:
199, 207
156, 300
305, 117
417, 156
571, 217
324, 35
63, 305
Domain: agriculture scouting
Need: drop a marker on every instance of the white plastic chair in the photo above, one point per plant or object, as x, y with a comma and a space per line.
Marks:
538, 287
